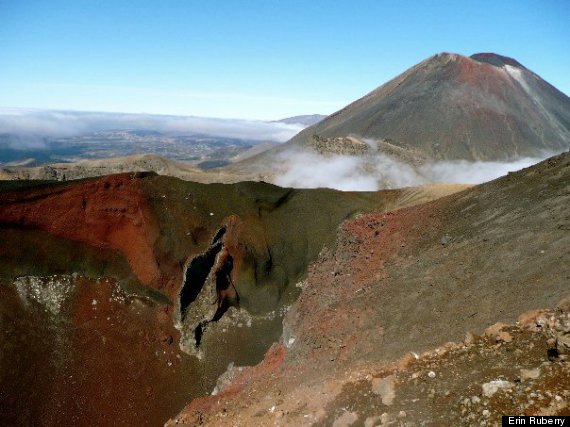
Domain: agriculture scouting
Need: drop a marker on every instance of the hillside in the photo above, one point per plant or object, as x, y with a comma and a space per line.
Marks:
365, 341
100, 167
305, 120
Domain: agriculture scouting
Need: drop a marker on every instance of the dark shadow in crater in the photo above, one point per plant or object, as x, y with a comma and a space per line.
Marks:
198, 271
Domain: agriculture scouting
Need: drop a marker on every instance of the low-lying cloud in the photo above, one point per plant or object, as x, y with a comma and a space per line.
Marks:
465, 172
307, 169
44, 123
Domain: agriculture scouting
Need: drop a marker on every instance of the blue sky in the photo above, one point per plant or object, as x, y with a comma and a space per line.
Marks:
264, 59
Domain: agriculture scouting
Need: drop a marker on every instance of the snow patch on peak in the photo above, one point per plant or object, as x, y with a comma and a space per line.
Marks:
496, 60
517, 75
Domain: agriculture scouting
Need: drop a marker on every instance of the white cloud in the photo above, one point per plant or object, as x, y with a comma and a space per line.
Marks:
69, 123
306, 169
465, 172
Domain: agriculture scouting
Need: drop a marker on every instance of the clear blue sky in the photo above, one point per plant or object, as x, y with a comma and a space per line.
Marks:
264, 59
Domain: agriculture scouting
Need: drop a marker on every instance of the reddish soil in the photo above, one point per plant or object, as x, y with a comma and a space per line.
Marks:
482, 75
200, 408
105, 359
109, 212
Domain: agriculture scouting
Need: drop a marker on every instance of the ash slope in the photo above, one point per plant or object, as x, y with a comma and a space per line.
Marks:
410, 280
103, 283
483, 107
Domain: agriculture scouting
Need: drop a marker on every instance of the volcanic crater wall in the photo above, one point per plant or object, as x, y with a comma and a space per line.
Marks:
110, 214
218, 261
207, 292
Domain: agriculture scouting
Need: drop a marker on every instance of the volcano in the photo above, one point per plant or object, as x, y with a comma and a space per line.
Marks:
449, 106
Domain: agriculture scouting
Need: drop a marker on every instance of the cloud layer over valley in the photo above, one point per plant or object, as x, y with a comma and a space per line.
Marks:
48, 137
29, 125
307, 169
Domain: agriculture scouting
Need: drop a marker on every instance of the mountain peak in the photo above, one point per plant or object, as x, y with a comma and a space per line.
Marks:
450, 106
496, 60
444, 57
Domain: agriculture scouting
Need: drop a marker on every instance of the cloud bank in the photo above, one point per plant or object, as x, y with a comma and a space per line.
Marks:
306, 169
465, 172
43, 123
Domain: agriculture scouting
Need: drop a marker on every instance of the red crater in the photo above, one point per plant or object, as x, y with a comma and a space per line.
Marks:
109, 212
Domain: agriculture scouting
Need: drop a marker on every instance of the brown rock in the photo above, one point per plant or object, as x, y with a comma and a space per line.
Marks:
385, 388
406, 361
504, 336
563, 343
470, 338
490, 388
530, 374
346, 419
531, 319
493, 331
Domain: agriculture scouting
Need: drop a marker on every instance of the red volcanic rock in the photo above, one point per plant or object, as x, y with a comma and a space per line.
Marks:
198, 408
109, 212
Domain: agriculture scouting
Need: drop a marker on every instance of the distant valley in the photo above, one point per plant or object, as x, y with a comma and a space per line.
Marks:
33, 138
205, 151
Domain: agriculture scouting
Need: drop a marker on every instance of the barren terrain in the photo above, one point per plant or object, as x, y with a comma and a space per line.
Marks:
141, 290
402, 283
121, 287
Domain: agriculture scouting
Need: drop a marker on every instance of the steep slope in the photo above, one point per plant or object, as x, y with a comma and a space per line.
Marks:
483, 107
409, 281
140, 289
